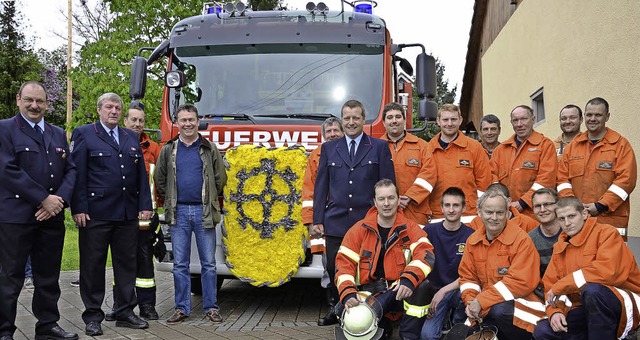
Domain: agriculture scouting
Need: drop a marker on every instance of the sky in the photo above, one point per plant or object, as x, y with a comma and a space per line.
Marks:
442, 26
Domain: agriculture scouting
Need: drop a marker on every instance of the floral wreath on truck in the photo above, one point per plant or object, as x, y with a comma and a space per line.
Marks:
263, 237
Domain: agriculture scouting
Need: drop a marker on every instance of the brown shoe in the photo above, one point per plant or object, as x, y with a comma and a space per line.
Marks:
213, 316
177, 317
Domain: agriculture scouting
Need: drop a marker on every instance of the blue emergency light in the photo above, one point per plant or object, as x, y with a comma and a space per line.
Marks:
364, 8
214, 10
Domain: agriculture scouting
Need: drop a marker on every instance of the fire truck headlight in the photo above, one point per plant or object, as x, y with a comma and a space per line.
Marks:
240, 7
174, 79
322, 7
229, 7
311, 7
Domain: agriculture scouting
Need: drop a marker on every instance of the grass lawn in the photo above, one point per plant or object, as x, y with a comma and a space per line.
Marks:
71, 252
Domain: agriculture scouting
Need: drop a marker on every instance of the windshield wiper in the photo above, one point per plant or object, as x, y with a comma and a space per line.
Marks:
231, 115
318, 116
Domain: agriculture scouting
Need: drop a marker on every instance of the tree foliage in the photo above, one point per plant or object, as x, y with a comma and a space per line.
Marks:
18, 63
444, 96
105, 63
266, 5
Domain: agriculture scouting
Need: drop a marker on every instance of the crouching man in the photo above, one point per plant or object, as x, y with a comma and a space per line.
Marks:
389, 256
499, 271
592, 281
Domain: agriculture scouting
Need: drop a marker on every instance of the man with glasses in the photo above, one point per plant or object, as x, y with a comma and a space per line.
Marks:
37, 184
525, 162
546, 234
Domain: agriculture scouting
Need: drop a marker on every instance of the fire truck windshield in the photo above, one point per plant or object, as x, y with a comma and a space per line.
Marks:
273, 80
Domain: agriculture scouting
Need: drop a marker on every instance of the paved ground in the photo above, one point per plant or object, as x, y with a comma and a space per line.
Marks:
287, 312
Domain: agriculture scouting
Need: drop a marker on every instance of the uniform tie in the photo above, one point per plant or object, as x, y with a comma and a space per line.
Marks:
39, 132
113, 136
352, 149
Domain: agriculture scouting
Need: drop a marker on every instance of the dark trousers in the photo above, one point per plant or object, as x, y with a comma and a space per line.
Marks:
501, 316
95, 240
410, 326
597, 318
332, 245
44, 241
145, 276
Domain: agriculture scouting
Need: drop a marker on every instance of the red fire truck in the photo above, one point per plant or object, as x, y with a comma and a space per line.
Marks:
271, 77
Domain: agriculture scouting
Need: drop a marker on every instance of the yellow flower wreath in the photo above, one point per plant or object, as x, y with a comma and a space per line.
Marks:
263, 236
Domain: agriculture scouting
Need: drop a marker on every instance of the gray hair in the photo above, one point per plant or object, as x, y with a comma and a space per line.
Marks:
110, 96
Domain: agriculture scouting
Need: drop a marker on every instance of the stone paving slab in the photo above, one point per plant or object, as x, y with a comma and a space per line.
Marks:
287, 312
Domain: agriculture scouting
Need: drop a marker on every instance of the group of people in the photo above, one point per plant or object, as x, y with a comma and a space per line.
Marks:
103, 175
524, 235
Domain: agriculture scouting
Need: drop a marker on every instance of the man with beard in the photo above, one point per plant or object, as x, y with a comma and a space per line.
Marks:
570, 121
599, 167
415, 170
331, 130
461, 162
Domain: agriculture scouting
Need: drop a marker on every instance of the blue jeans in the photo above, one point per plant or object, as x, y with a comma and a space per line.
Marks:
432, 327
189, 220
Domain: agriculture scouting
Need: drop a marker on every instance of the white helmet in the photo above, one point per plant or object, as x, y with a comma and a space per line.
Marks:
361, 322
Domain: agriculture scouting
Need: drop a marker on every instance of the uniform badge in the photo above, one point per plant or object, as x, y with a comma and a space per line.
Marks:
464, 162
605, 165
461, 247
413, 161
532, 149
529, 165
503, 270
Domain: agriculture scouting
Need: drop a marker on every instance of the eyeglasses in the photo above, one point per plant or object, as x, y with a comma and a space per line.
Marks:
30, 101
546, 205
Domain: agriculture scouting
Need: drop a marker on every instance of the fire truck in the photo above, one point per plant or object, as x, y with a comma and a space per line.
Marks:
272, 77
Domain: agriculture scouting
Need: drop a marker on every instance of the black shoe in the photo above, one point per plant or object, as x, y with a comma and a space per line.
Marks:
110, 316
93, 328
75, 283
329, 319
148, 312
6, 337
132, 321
56, 333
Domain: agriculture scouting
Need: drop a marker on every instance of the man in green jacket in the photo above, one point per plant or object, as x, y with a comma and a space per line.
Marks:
189, 177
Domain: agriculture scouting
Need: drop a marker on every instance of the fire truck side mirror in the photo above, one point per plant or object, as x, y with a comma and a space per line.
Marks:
138, 80
427, 110
426, 76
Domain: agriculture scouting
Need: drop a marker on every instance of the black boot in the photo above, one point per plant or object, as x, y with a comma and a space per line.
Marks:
331, 318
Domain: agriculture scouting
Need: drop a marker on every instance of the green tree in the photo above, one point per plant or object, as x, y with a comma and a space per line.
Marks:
444, 96
18, 63
266, 5
105, 61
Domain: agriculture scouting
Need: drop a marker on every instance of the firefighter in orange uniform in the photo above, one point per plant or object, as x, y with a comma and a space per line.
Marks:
134, 119
599, 167
461, 162
525, 222
331, 129
525, 162
592, 281
389, 256
415, 170
499, 271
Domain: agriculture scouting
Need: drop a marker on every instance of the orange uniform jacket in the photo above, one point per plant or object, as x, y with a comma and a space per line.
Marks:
596, 254
416, 174
358, 255
506, 269
464, 164
150, 152
525, 222
317, 244
527, 169
605, 173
